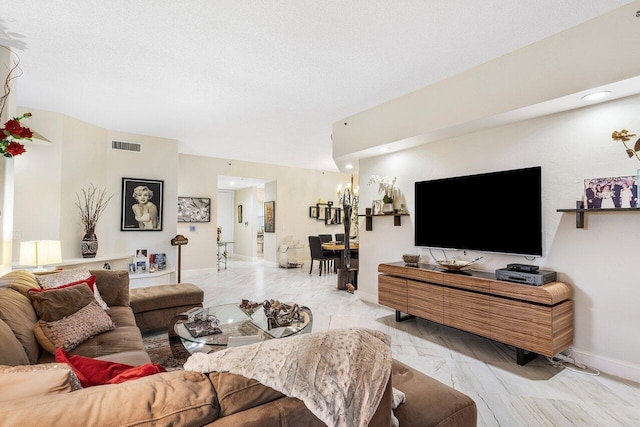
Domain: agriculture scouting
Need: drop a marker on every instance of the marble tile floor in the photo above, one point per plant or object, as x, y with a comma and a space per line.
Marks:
537, 394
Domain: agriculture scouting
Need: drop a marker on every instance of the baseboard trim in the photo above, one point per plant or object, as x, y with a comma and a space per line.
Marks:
368, 297
619, 368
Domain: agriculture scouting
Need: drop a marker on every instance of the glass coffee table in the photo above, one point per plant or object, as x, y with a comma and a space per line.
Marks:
237, 326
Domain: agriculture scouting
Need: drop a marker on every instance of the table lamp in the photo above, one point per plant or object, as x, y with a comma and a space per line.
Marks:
40, 253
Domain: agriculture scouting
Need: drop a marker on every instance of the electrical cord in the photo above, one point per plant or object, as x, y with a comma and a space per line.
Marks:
560, 360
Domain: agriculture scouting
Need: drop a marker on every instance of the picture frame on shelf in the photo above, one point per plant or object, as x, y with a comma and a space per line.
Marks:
141, 253
611, 192
141, 266
376, 207
270, 217
194, 209
132, 267
141, 204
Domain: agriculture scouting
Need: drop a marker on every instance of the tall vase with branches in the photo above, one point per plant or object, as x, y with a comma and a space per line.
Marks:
349, 199
91, 202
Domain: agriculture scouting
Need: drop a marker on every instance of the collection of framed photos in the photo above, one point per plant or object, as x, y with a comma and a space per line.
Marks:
144, 262
326, 212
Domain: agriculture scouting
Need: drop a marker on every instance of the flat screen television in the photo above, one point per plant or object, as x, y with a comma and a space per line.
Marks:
491, 212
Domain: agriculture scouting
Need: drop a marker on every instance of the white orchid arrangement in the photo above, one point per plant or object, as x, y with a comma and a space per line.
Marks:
385, 187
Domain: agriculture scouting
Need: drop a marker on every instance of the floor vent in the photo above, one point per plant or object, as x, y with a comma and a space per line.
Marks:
127, 146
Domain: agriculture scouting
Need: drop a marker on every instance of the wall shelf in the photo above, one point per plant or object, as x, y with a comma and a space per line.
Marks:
397, 218
580, 211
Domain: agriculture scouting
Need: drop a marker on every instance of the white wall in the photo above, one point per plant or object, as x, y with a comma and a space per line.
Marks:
246, 231
293, 190
599, 261
80, 154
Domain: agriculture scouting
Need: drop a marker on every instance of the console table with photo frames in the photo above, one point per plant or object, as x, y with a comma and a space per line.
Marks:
327, 212
150, 270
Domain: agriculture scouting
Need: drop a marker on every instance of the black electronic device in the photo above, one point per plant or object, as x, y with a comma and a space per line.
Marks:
494, 212
523, 267
533, 278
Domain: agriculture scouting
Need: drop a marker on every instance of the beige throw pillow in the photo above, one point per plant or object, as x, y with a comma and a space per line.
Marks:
18, 382
72, 330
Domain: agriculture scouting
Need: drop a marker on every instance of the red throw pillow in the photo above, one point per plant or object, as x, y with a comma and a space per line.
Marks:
90, 281
92, 372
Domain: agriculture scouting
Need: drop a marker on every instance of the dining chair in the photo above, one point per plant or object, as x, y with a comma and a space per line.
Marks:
326, 238
323, 257
339, 237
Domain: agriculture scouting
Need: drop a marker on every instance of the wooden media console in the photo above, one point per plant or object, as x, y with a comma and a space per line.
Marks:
533, 319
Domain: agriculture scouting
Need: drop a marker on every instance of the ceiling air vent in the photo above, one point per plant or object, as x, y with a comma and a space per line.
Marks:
127, 146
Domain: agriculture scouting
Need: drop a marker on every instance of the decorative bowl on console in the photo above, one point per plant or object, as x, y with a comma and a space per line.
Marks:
411, 259
455, 264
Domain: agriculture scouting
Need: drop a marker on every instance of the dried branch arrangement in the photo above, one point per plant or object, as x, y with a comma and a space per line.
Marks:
92, 204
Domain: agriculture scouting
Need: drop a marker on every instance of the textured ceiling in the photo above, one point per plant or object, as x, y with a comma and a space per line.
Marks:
258, 81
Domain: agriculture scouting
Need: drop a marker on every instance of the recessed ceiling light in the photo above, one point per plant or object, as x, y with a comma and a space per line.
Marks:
596, 95
348, 166
231, 183
385, 149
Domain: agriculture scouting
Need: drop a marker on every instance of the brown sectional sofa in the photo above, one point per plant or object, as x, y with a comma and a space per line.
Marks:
181, 397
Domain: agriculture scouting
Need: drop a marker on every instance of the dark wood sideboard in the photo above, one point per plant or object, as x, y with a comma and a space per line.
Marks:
536, 320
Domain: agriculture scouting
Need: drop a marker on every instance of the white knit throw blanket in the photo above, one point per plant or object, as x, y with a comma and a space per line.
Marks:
339, 374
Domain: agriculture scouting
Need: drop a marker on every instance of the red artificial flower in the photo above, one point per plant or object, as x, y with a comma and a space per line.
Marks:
15, 148
13, 126
25, 133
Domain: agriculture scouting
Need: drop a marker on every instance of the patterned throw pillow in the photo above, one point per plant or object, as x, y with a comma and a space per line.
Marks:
18, 382
65, 277
68, 332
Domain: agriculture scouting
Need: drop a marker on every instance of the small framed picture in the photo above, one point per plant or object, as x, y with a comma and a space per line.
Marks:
313, 211
141, 266
376, 207
132, 267
611, 192
240, 213
141, 253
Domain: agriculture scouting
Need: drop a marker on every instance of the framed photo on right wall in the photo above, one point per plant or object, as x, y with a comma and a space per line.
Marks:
611, 192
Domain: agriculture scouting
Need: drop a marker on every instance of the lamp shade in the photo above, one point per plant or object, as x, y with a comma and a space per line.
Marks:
40, 252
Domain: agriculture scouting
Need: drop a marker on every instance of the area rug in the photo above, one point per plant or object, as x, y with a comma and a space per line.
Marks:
171, 355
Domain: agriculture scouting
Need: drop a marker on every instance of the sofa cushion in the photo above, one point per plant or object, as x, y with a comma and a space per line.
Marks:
113, 286
20, 280
176, 398
12, 353
55, 303
430, 402
237, 393
18, 313
125, 338
70, 331
17, 382
122, 316
93, 372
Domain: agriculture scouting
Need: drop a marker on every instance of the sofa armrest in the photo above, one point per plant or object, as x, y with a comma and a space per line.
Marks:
171, 398
113, 286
